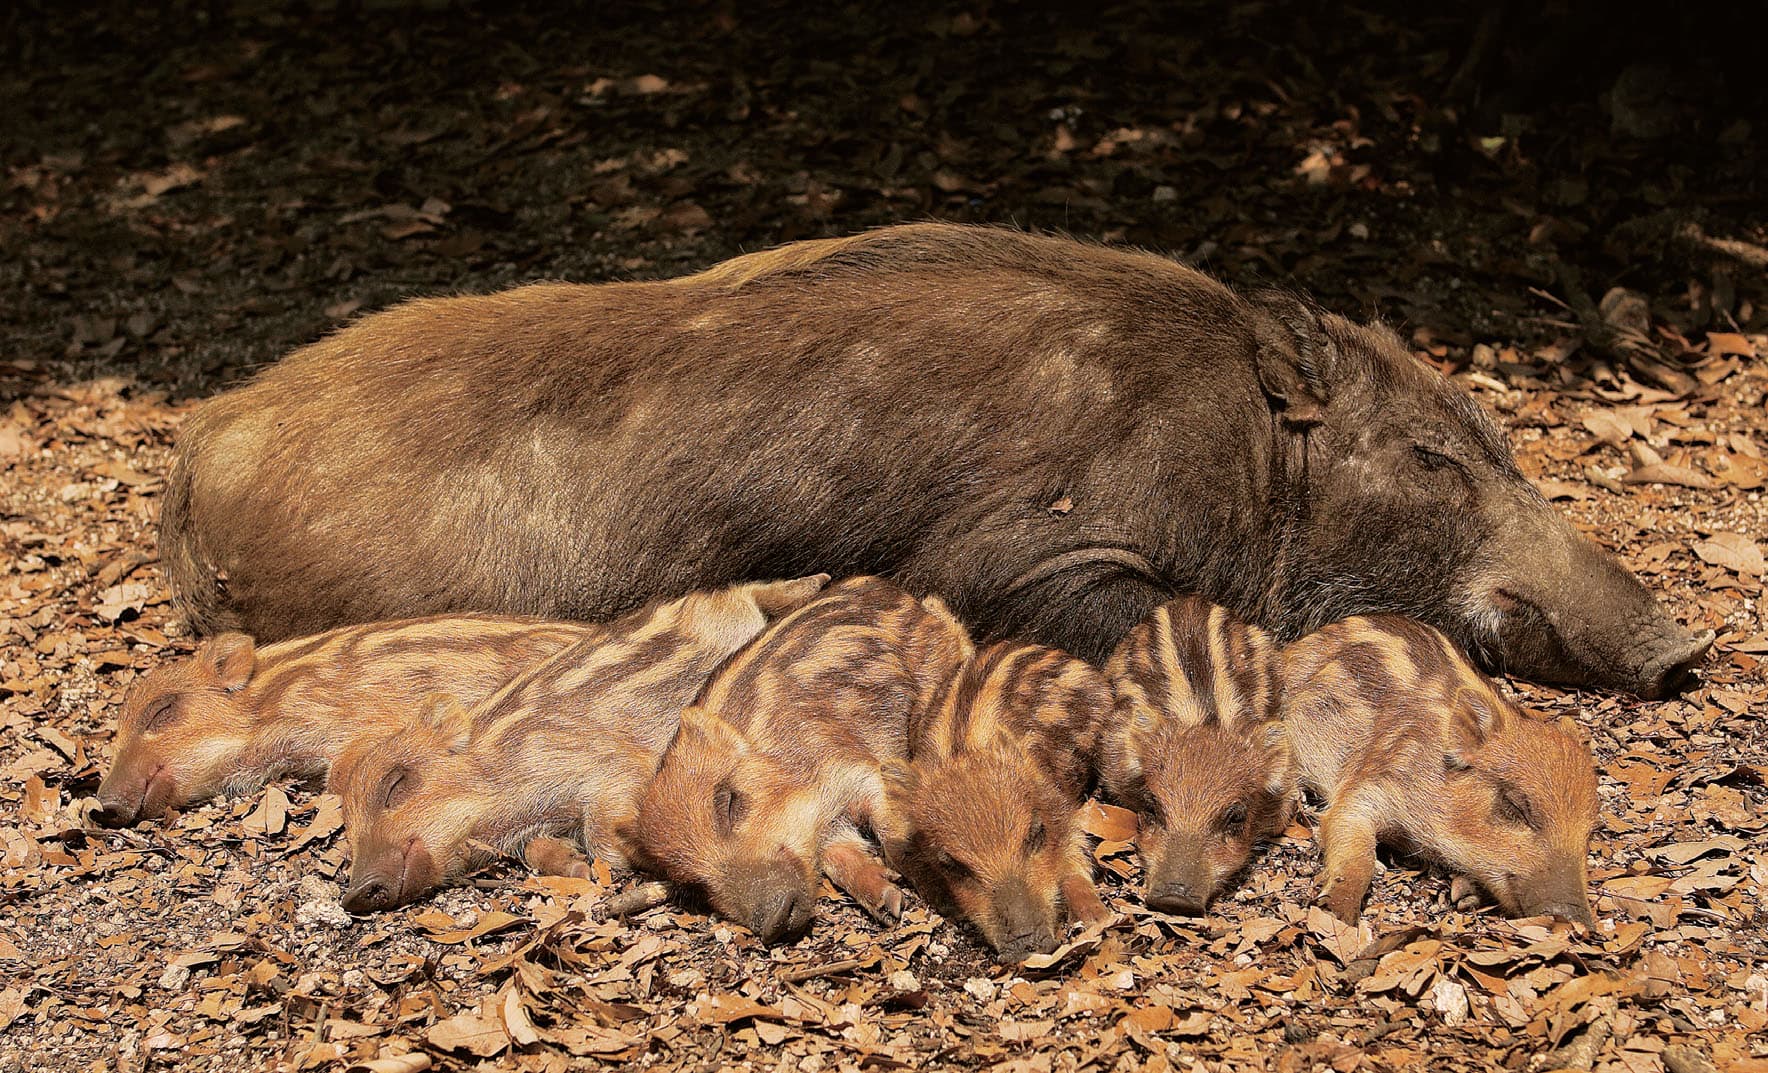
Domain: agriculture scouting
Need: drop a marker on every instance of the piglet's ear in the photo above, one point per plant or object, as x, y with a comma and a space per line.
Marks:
1472, 718
1119, 760
899, 779
777, 598
444, 712
1275, 739
1295, 359
705, 726
232, 656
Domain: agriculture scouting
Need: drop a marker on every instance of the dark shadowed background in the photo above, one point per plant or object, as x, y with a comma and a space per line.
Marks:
1559, 203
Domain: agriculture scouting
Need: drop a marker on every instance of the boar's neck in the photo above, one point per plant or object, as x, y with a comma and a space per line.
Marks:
1285, 486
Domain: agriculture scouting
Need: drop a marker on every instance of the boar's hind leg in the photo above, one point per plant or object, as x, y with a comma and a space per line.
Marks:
849, 864
1082, 899
1347, 844
555, 857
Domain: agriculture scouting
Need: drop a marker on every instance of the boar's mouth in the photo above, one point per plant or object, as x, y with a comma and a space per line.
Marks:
1653, 659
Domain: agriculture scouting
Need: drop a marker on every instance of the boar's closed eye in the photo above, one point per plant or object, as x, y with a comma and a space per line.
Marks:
1233, 817
1432, 458
396, 787
1034, 838
729, 805
161, 713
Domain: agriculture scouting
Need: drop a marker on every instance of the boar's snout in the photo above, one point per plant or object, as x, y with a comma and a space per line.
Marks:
1565, 610
774, 902
1578, 912
780, 916
1561, 896
1024, 927
1672, 669
370, 895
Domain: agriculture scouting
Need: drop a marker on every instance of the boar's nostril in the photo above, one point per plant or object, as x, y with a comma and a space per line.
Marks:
1674, 671
1176, 898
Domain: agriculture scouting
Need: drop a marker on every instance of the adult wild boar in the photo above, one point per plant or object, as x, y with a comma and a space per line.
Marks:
1053, 436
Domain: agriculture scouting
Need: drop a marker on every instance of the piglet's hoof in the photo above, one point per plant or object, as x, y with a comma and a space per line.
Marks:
888, 910
1464, 894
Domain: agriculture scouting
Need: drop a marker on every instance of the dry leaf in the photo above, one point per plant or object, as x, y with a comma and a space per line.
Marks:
481, 1036
1733, 551
1108, 822
493, 921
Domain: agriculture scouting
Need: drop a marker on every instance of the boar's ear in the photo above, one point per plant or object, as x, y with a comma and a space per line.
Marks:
1570, 726
1295, 358
777, 598
232, 656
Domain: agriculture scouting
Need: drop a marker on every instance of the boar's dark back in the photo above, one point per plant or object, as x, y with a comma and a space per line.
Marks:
1052, 435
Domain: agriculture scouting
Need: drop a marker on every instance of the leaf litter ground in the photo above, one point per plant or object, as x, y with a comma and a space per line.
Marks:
185, 204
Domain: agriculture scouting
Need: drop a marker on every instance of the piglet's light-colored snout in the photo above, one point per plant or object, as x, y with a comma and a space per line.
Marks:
130, 795
770, 898
387, 878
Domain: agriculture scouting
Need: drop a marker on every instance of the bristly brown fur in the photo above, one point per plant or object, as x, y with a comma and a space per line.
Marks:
1410, 744
982, 818
911, 401
235, 715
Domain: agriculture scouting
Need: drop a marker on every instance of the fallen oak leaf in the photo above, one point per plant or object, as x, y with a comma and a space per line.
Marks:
470, 1032
271, 817
1343, 941
118, 600
328, 818
1108, 822
1668, 473
494, 921
724, 1009
1081, 945
410, 1062
1734, 552
517, 1021
1730, 343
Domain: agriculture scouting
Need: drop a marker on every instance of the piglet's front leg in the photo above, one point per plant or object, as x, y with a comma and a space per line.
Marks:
1347, 845
555, 857
847, 859
1082, 899
849, 864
